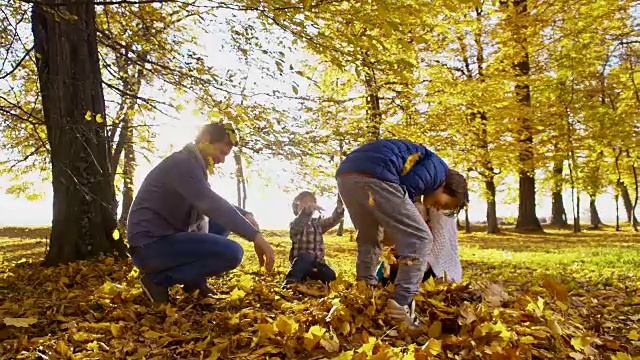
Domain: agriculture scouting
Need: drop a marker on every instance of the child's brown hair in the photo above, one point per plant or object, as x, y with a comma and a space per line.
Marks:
455, 185
298, 199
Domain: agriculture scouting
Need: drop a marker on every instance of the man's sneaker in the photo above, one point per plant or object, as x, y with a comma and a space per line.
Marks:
406, 314
203, 291
155, 292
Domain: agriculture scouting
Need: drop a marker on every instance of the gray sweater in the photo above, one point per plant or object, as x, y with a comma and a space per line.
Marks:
168, 195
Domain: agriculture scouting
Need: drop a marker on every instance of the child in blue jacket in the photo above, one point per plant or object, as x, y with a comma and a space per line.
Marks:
379, 183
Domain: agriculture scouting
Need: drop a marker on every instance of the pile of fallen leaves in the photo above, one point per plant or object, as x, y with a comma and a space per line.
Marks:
97, 310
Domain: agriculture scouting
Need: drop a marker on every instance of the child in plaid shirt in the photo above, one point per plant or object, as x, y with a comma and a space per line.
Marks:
307, 246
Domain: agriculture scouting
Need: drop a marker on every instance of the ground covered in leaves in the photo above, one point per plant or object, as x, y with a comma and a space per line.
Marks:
554, 296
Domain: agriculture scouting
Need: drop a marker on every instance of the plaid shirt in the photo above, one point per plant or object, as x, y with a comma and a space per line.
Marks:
306, 233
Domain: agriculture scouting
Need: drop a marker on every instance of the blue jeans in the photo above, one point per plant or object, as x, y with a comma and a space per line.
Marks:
188, 258
305, 266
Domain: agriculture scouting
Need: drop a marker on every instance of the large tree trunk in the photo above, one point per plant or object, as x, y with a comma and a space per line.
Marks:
527, 218
593, 211
558, 212
84, 215
128, 170
492, 217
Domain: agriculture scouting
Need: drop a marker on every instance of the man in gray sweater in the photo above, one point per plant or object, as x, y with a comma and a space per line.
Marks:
178, 226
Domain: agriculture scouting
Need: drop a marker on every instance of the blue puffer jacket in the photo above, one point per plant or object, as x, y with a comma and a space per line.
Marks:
401, 162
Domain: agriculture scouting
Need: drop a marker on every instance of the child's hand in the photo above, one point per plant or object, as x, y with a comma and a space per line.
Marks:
313, 207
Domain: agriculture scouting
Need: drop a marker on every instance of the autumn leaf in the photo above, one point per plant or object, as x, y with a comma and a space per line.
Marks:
435, 329
237, 294
330, 342
433, 346
20, 322
285, 325
313, 336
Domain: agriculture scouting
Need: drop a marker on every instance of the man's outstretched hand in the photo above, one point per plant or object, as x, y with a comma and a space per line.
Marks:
264, 251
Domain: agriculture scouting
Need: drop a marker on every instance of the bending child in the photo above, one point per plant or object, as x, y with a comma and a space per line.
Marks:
379, 182
444, 260
307, 245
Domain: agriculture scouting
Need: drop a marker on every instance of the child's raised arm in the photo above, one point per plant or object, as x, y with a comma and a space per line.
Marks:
328, 223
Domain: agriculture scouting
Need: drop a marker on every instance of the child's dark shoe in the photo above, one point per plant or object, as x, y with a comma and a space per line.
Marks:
288, 283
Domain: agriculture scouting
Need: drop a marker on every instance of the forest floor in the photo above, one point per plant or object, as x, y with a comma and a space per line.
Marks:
557, 296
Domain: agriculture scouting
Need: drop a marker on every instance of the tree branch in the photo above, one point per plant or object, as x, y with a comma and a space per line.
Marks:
26, 54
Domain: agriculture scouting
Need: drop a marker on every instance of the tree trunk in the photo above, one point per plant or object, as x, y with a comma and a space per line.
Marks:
374, 113
467, 223
84, 215
577, 227
492, 217
575, 200
340, 230
593, 211
527, 218
616, 199
558, 213
628, 204
635, 197
241, 181
128, 171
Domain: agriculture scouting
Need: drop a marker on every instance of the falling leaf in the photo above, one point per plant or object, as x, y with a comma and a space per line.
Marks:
99, 118
87, 116
20, 322
116, 234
